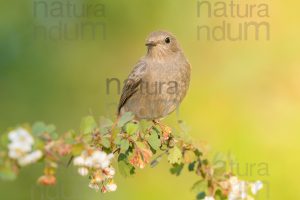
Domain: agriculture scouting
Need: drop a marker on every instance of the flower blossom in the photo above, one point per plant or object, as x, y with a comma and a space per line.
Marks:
98, 165
20, 143
255, 187
111, 187
238, 189
97, 160
20, 147
30, 158
209, 198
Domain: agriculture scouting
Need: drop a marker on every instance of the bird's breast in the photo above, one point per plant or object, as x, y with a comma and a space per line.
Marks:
162, 89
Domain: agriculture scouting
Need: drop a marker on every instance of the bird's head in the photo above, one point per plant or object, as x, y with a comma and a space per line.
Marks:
161, 43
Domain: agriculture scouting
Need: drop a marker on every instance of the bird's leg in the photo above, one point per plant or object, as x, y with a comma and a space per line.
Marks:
166, 130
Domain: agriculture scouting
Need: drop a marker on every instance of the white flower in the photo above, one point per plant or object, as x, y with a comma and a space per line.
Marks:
98, 178
20, 147
83, 171
110, 156
15, 153
255, 187
97, 162
105, 163
94, 186
109, 172
24, 147
20, 143
238, 189
20, 135
79, 161
99, 155
243, 189
209, 198
88, 162
100, 159
111, 187
30, 158
36, 155
233, 180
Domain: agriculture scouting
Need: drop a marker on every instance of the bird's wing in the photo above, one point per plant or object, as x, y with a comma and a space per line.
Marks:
132, 83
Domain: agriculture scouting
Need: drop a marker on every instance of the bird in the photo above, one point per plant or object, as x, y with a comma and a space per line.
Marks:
158, 82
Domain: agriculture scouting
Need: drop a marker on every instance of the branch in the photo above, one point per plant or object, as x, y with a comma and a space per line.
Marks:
135, 144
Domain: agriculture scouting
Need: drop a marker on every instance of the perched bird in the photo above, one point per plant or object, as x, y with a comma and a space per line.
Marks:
159, 81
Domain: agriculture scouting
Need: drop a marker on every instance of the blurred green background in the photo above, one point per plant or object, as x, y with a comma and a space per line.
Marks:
244, 96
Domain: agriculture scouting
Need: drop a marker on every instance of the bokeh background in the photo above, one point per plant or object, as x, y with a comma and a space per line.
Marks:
244, 96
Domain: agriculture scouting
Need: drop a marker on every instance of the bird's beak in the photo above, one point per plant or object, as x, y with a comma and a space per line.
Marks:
150, 44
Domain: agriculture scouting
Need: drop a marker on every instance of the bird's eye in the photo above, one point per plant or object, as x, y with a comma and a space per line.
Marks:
167, 40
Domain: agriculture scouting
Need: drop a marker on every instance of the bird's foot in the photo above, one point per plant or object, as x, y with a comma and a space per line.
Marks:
166, 130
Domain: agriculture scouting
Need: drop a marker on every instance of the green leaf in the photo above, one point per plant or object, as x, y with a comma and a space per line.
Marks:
154, 141
54, 135
175, 155
39, 128
218, 157
105, 142
205, 162
176, 169
141, 145
88, 125
126, 117
198, 153
191, 166
200, 195
189, 156
219, 164
105, 125
144, 125
70, 137
70, 140
77, 149
124, 167
51, 130
124, 145
220, 171
219, 195
199, 186
118, 140
131, 128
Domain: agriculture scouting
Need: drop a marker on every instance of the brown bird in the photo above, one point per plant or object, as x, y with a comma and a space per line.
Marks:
159, 81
